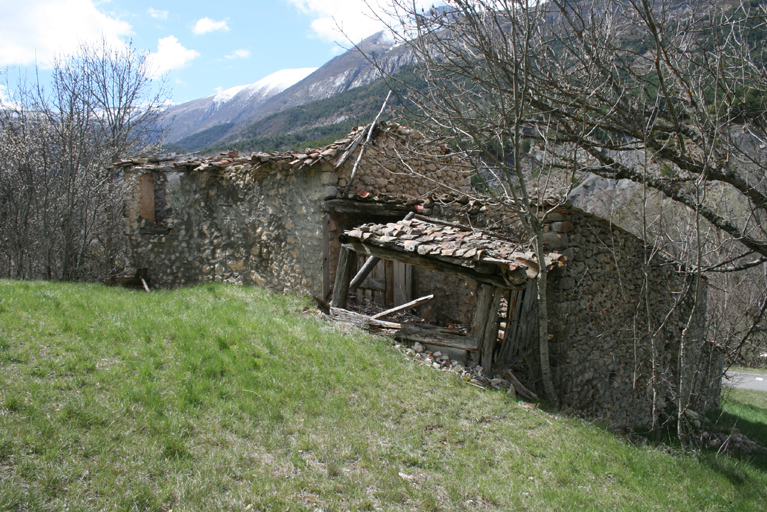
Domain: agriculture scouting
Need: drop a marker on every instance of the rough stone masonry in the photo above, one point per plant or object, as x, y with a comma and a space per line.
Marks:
269, 220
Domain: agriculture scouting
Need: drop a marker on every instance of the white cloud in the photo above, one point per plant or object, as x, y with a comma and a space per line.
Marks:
40, 29
341, 20
238, 54
170, 55
160, 15
205, 25
6, 98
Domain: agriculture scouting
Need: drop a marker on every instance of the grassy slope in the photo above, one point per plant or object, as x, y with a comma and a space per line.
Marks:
224, 398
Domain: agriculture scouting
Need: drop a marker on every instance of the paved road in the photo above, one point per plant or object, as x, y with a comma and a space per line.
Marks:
746, 380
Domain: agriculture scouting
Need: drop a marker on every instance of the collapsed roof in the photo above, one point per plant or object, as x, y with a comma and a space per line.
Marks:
451, 248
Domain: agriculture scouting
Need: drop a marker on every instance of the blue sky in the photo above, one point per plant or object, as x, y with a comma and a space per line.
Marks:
199, 46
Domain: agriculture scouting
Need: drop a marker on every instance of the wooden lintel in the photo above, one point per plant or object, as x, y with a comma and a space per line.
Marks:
394, 210
430, 263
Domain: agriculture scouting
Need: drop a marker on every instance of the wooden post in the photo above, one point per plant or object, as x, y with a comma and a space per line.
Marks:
369, 265
344, 269
490, 335
325, 257
481, 309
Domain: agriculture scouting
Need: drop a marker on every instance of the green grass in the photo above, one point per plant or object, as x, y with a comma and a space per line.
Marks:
225, 398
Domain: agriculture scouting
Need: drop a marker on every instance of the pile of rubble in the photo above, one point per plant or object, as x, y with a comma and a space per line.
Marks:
733, 441
474, 374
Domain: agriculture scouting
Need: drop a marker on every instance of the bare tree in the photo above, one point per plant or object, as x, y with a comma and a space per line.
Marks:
479, 59
56, 144
666, 93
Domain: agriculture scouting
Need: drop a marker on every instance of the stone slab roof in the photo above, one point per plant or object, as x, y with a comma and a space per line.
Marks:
335, 153
481, 251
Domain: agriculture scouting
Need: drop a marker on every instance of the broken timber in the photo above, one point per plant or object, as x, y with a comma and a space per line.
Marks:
416, 332
360, 320
369, 265
408, 305
495, 263
520, 276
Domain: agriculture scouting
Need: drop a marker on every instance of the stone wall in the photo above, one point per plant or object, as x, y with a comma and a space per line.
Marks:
400, 163
262, 219
601, 355
601, 352
260, 229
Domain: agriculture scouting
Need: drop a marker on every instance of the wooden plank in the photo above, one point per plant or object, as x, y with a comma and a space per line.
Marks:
481, 309
411, 304
351, 148
516, 298
344, 269
437, 337
402, 282
460, 342
325, 256
369, 265
389, 283
373, 283
490, 335
380, 284
479, 317
431, 263
408, 283
360, 320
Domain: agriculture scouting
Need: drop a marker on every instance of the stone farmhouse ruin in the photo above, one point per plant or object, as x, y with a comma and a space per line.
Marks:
380, 218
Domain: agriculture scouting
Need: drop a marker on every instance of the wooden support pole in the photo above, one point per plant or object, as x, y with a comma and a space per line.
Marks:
481, 307
411, 304
344, 269
368, 267
490, 334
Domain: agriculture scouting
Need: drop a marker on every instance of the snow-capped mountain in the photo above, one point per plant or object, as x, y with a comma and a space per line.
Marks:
231, 110
229, 105
266, 87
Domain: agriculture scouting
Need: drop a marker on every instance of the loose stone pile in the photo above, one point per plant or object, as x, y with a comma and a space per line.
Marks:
442, 362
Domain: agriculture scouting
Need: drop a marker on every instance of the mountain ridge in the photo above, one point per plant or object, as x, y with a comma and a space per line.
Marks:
203, 122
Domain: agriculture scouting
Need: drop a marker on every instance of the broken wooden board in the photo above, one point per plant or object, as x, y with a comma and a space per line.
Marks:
360, 320
408, 305
438, 336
